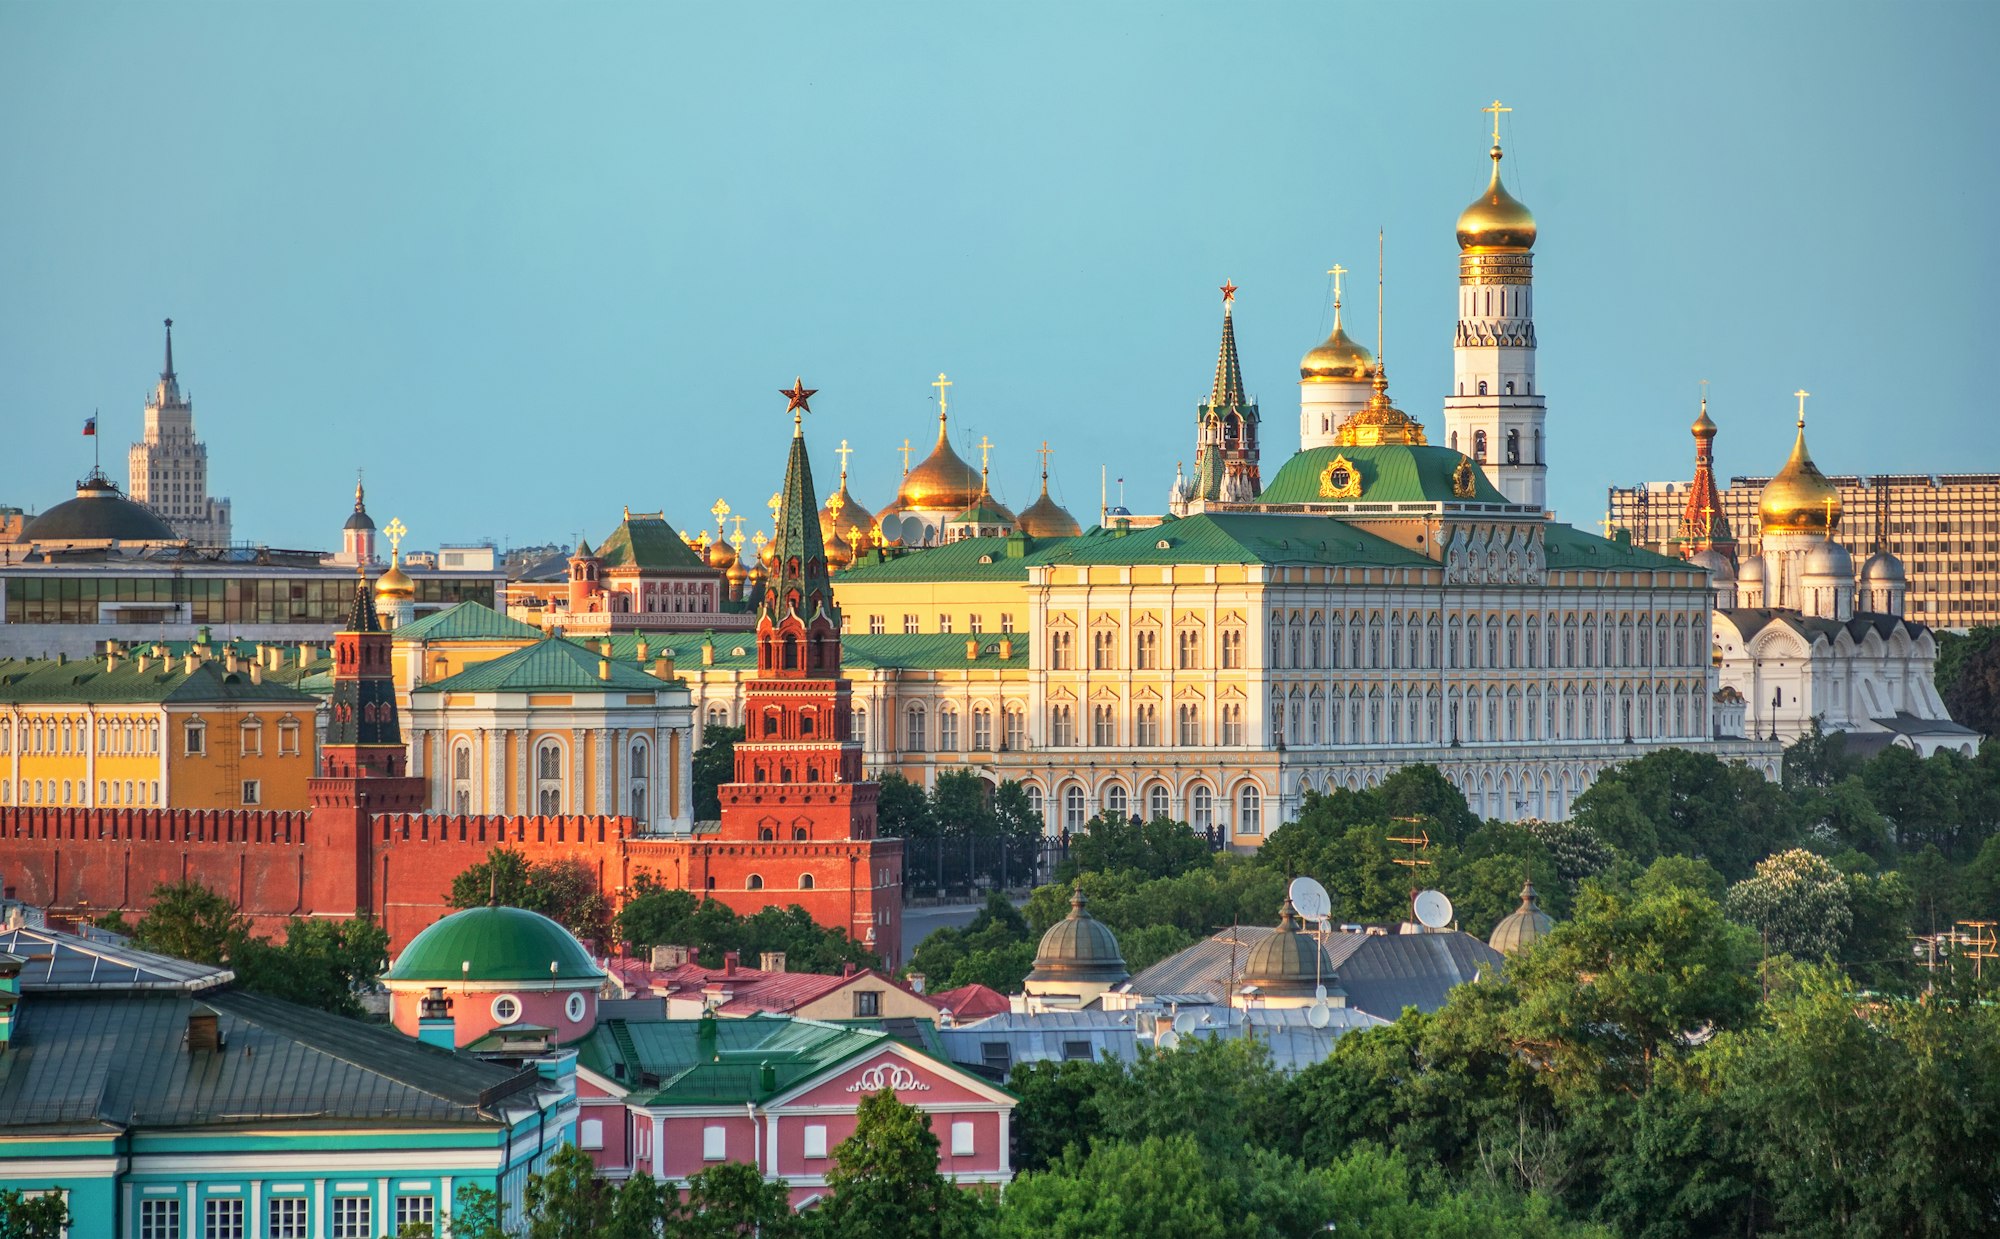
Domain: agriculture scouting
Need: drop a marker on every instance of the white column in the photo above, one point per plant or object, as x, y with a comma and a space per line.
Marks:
524, 759
607, 772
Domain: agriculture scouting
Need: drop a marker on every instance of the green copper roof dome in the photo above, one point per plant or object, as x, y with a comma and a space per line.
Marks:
1079, 948
1391, 473
1289, 963
494, 944
1523, 927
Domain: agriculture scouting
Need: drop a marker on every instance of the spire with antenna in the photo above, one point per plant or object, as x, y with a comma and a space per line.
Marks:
167, 371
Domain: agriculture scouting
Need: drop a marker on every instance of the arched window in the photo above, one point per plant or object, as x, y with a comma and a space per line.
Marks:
1114, 798
1103, 726
1513, 441
982, 729
1250, 810
461, 777
638, 772
1201, 807
947, 728
914, 729
1062, 726
1147, 722
549, 778
1190, 724
1482, 391
1073, 808
1159, 801
1034, 791
755, 882
805, 881
1479, 437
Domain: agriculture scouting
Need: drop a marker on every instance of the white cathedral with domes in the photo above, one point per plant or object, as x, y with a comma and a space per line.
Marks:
1797, 636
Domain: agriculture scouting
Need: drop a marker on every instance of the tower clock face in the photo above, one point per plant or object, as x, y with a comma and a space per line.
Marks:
1341, 478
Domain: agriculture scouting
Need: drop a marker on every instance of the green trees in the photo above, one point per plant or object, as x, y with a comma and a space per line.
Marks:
1797, 902
1968, 677
1161, 848
995, 950
33, 1217
964, 835
321, 963
714, 764
885, 1184
663, 916
563, 890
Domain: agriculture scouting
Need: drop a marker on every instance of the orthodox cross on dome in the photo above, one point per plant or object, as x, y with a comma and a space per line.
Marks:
1605, 524
941, 384
737, 539
775, 502
721, 514
906, 449
1496, 108
1336, 271
1707, 520
834, 503
1802, 394
985, 449
395, 531
758, 540
843, 452
1044, 454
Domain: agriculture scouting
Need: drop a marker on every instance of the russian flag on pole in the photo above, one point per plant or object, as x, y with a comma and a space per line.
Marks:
90, 425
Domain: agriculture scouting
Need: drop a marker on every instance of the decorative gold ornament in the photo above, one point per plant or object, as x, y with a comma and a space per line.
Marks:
1464, 485
1340, 480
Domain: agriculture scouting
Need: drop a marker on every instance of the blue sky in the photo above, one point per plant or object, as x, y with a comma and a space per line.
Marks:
528, 264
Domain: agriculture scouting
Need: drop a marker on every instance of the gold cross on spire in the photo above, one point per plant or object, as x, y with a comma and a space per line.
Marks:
834, 503
1707, 517
776, 501
737, 540
1336, 271
941, 384
1044, 454
758, 540
843, 452
906, 455
1605, 524
1830, 504
985, 448
1496, 109
1802, 394
395, 531
720, 512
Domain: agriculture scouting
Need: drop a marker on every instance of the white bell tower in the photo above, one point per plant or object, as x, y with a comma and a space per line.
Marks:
1494, 413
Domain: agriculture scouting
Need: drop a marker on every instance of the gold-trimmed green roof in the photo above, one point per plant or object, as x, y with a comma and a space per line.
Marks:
648, 543
1389, 474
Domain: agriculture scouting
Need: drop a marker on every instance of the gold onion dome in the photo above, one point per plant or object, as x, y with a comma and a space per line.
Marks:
1045, 518
720, 554
941, 482
1799, 497
395, 583
839, 518
1379, 423
1497, 220
1337, 357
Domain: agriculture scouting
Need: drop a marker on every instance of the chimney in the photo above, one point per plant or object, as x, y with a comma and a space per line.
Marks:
434, 1022
1006, 649
305, 654
663, 667
604, 668
256, 673
847, 969
708, 652
665, 957
229, 659
771, 961
142, 664
729, 961
111, 659
191, 662
203, 1031
643, 651
917, 980
972, 649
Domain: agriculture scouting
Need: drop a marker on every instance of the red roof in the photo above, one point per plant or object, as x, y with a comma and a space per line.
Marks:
749, 990
972, 1002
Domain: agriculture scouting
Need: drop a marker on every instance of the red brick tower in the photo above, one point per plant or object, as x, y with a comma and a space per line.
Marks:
362, 767
798, 767
1703, 526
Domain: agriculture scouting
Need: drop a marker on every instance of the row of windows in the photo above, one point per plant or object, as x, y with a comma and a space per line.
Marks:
1304, 640
715, 1138
913, 624
255, 600
1145, 650
917, 735
115, 737
1200, 805
110, 792
1418, 716
285, 1217
551, 785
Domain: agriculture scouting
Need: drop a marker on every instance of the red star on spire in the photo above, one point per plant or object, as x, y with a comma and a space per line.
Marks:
798, 394
1228, 291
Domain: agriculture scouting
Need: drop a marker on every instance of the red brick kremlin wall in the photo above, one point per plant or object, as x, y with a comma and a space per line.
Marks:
341, 858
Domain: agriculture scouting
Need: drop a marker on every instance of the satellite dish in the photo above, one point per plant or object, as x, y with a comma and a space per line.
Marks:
1168, 1040
1319, 1015
1433, 909
1319, 993
1184, 1022
1311, 899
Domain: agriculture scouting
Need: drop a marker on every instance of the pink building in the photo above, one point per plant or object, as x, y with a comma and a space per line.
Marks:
670, 1098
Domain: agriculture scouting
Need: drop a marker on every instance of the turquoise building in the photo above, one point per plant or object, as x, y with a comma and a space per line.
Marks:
166, 1105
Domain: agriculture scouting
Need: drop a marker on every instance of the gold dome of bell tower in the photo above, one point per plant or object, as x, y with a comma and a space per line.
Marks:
1496, 220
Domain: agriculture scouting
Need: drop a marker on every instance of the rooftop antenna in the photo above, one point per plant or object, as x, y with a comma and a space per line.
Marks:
1419, 842
1378, 296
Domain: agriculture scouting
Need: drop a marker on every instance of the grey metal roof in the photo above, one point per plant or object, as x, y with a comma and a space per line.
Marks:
1287, 1033
82, 1062
1902, 722
1382, 973
58, 962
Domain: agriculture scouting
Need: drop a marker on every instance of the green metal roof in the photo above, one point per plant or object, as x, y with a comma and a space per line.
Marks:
467, 621
968, 559
860, 651
1389, 474
553, 664
1239, 538
48, 681
500, 944
1570, 548
720, 1061
651, 545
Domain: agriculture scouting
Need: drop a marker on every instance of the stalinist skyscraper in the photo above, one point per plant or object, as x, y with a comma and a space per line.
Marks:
169, 469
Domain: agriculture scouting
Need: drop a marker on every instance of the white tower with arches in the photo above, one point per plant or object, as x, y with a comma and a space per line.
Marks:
1493, 413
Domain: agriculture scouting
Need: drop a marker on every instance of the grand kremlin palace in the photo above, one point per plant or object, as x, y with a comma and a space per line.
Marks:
1380, 600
